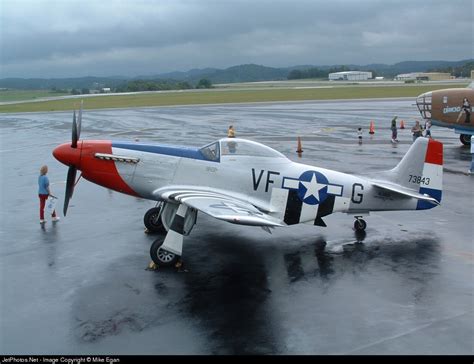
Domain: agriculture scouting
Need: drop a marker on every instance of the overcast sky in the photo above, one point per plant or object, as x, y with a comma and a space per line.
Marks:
69, 38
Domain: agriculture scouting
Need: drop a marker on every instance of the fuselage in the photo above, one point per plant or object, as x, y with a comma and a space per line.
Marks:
450, 108
249, 171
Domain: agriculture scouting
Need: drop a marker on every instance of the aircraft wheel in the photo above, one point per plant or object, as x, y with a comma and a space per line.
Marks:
162, 257
360, 225
152, 220
465, 139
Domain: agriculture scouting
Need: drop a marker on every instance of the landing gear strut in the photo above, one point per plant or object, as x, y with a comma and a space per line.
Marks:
152, 219
178, 220
162, 257
359, 224
465, 139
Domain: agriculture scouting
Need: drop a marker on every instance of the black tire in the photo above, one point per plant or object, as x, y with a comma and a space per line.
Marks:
360, 225
465, 139
153, 222
162, 257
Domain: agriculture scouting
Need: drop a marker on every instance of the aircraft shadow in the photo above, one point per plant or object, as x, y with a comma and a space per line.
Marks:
227, 296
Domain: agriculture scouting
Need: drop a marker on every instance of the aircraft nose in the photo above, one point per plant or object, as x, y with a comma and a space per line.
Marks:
68, 155
423, 102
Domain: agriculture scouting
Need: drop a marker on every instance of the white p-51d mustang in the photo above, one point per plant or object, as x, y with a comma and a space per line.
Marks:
244, 182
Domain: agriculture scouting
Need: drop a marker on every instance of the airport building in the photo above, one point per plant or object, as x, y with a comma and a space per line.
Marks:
423, 76
350, 76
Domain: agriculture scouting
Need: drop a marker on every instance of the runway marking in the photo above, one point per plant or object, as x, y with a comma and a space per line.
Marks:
407, 332
469, 256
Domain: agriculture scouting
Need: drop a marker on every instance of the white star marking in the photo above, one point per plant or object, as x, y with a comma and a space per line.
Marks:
312, 188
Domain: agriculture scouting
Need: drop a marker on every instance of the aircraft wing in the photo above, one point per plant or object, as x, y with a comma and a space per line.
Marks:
222, 207
403, 191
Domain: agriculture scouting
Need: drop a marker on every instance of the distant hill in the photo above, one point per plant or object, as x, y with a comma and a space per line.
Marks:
240, 73
60, 83
247, 73
180, 75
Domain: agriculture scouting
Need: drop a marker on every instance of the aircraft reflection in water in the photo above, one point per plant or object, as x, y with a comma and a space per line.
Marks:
450, 108
317, 261
244, 182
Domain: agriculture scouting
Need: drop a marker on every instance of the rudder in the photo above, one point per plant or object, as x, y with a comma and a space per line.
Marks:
432, 170
421, 170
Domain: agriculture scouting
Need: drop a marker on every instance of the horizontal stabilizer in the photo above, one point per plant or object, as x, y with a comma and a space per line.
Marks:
404, 191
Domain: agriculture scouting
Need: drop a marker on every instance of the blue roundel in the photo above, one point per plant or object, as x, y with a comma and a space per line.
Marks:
312, 187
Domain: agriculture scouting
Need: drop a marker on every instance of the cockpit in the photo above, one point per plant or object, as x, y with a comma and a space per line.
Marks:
238, 147
423, 102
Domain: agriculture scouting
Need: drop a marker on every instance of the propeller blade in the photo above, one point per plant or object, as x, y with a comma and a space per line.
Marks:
74, 131
79, 121
71, 179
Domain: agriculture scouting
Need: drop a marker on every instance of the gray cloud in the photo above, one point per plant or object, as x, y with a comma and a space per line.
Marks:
87, 37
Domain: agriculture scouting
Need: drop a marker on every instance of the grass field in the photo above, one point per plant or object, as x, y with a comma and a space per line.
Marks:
18, 95
228, 96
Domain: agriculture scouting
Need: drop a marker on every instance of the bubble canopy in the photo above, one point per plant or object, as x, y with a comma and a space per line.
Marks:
238, 147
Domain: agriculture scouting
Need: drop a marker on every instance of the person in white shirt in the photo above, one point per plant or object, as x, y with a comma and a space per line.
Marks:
428, 129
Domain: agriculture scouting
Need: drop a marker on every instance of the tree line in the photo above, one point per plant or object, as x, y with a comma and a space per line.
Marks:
148, 85
463, 70
314, 72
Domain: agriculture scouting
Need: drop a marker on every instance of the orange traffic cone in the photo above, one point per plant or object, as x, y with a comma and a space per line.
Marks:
402, 125
372, 128
299, 149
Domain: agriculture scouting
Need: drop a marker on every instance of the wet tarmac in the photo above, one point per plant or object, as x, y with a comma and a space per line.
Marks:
80, 286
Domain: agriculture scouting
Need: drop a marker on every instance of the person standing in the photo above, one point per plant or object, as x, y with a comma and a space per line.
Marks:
416, 130
231, 132
44, 192
393, 127
359, 134
428, 129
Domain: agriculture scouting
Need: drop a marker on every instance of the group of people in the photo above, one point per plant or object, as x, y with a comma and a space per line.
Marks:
417, 130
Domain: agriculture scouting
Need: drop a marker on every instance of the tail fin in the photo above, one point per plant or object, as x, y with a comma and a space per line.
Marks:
421, 170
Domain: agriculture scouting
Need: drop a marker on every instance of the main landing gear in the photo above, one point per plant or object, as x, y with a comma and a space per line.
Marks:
162, 257
177, 220
465, 139
152, 220
359, 224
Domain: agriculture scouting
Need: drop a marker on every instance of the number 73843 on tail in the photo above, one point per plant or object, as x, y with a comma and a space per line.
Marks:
245, 182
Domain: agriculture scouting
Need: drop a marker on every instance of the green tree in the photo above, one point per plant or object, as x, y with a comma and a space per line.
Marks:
204, 83
295, 75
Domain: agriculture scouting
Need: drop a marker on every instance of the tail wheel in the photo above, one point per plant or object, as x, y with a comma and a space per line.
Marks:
152, 220
465, 139
360, 225
162, 257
